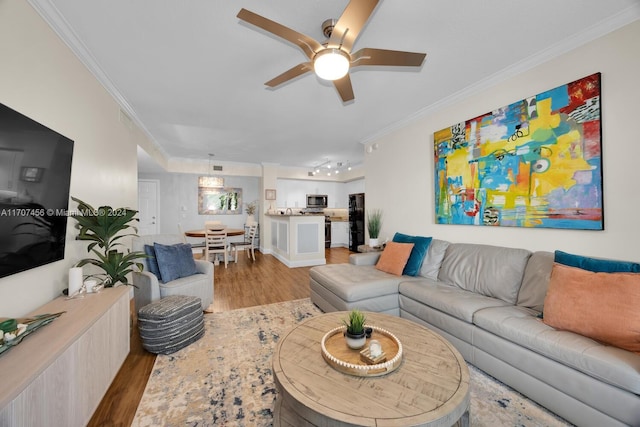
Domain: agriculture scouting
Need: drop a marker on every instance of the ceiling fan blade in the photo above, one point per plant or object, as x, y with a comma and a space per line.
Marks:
344, 88
348, 27
308, 45
292, 73
369, 56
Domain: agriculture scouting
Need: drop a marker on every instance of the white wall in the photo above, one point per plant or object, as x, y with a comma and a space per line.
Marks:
42, 79
399, 173
179, 200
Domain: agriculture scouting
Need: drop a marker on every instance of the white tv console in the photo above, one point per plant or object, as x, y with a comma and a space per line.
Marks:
59, 374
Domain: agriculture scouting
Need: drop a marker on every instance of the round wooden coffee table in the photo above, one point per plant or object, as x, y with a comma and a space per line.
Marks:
429, 388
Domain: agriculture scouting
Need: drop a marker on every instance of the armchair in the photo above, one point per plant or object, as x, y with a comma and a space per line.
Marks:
149, 288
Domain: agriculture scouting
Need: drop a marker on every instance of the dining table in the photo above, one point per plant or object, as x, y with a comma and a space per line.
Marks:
201, 233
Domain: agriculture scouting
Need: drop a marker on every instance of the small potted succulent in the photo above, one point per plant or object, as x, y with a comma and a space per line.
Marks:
355, 335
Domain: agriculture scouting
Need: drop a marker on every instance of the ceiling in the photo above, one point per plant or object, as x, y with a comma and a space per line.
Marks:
192, 75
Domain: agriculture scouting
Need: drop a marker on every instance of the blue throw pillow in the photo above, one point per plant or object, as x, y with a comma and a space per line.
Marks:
152, 262
175, 261
419, 251
596, 265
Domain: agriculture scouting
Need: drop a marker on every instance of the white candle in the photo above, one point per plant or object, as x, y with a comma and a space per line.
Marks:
75, 280
375, 349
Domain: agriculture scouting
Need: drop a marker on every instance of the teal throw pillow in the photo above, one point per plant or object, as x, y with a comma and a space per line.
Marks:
419, 251
175, 261
152, 262
596, 265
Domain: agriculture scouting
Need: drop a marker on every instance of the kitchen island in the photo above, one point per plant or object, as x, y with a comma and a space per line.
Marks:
297, 240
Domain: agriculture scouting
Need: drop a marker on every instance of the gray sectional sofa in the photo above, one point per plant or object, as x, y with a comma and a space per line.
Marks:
487, 301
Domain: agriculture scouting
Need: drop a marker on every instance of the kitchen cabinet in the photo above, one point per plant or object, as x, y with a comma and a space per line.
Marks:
339, 234
292, 192
298, 240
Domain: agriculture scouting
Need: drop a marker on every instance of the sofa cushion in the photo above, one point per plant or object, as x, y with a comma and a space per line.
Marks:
433, 259
418, 253
520, 325
536, 280
327, 301
175, 261
355, 282
598, 265
394, 258
602, 306
486, 270
366, 258
452, 300
152, 262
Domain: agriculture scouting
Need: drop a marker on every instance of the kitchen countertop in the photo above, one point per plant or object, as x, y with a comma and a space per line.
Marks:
294, 214
332, 218
334, 215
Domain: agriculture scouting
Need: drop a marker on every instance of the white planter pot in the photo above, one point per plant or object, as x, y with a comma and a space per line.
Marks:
355, 343
373, 243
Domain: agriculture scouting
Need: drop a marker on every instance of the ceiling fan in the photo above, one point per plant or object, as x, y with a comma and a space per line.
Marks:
332, 59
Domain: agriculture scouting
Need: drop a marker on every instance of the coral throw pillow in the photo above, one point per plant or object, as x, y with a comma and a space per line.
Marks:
601, 306
394, 257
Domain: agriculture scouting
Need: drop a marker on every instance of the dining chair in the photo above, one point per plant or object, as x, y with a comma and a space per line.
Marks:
196, 247
216, 241
248, 244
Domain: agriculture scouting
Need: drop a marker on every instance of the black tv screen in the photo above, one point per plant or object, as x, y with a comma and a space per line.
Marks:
35, 174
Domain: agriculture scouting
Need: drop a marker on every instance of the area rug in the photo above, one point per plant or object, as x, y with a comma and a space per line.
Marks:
225, 378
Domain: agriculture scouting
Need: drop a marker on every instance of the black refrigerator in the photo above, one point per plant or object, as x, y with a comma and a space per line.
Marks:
356, 221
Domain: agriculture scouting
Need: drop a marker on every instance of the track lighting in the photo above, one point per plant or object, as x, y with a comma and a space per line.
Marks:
330, 167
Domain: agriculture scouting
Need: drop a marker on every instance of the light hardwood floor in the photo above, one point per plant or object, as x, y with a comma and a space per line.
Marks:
245, 284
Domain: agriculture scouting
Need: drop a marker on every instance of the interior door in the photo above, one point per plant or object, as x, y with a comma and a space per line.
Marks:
148, 210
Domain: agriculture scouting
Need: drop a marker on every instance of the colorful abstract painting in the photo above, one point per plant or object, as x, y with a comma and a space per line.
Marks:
534, 163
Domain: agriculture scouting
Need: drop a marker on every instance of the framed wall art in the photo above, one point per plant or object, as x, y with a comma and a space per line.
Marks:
534, 163
269, 194
219, 201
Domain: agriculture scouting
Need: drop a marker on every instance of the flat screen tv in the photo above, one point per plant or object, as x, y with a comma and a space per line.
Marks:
35, 173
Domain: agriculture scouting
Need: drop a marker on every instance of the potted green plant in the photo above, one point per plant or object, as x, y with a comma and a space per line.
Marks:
355, 335
374, 224
104, 227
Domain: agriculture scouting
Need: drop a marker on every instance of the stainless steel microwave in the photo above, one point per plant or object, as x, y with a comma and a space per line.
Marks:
317, 201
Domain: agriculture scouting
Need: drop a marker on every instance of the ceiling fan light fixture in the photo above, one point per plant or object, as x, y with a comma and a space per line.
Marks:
331, 64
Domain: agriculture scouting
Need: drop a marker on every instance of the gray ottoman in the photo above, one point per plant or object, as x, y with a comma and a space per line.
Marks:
171, 323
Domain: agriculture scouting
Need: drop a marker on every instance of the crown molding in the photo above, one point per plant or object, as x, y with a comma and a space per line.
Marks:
619, 20
52, 16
